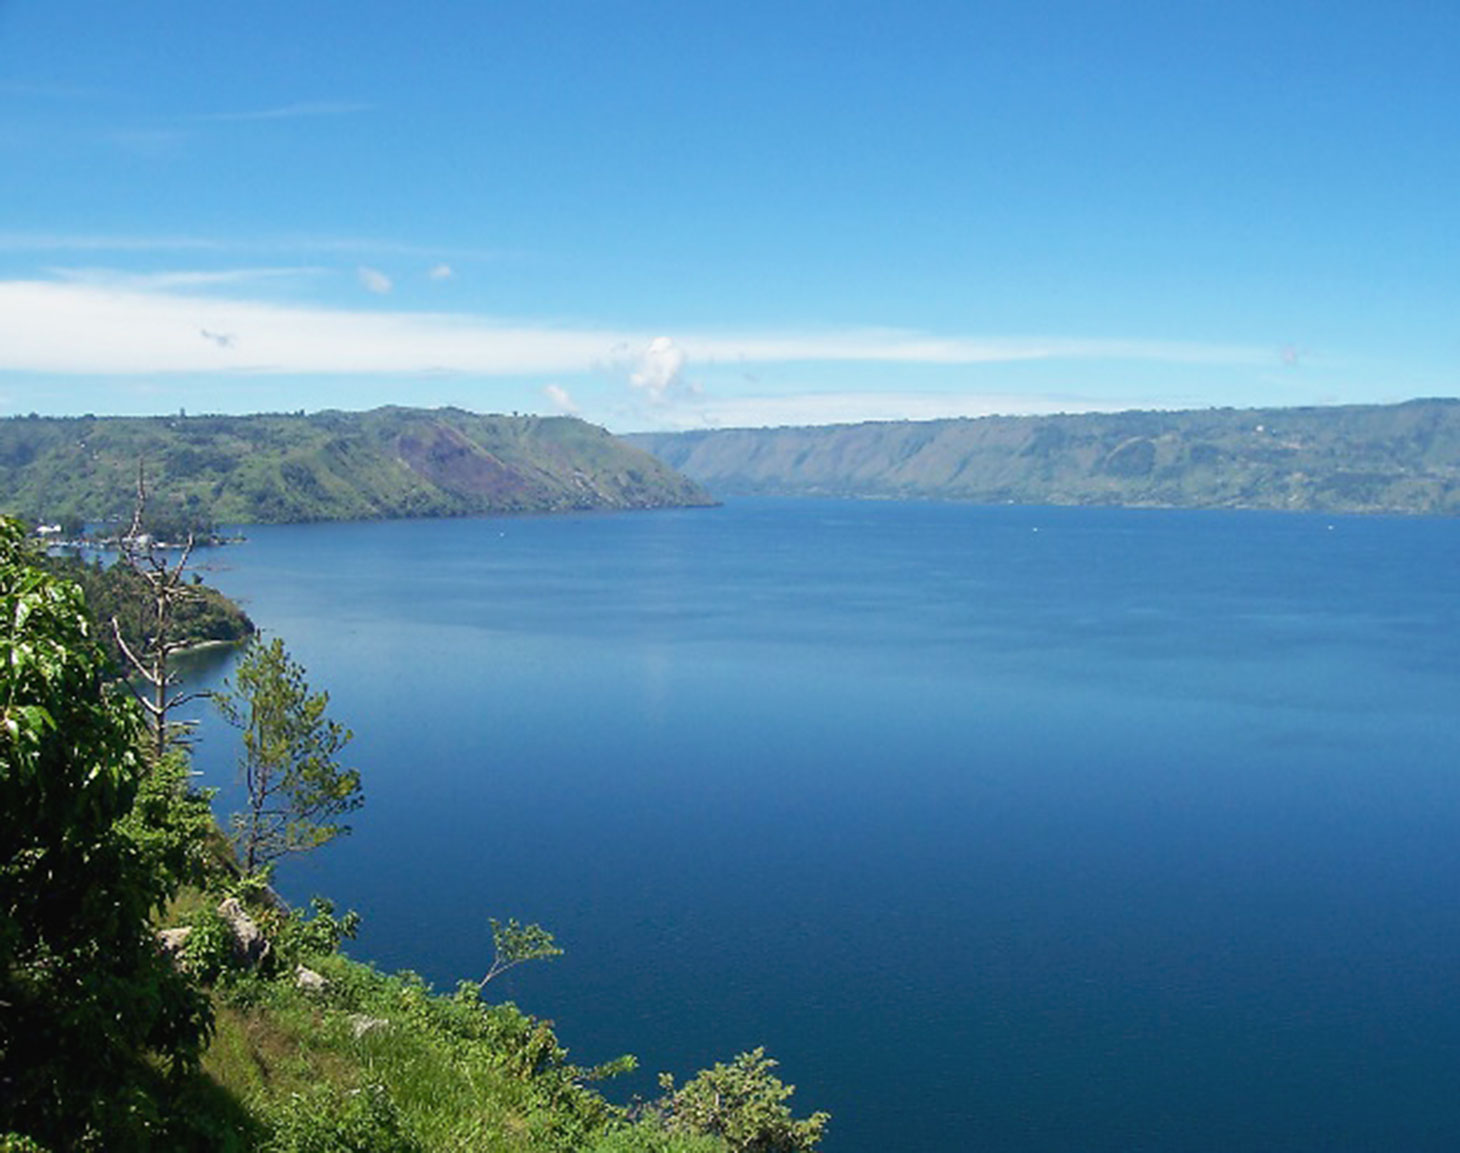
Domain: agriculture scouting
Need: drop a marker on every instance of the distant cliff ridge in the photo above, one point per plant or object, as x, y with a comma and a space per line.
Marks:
391, 462
1365, 458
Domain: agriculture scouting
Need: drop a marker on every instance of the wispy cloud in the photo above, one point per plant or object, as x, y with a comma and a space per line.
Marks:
117, 329
562, 400
441, 272
907, 347
99, 242
182, 278
303, 110
22, 242
373, 280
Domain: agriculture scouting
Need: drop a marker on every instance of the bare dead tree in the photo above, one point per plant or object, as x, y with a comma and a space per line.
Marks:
154, 682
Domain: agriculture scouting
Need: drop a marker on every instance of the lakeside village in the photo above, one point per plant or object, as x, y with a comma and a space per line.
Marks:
68, 535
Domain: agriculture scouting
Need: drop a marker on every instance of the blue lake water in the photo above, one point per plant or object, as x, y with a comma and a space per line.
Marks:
1017, 829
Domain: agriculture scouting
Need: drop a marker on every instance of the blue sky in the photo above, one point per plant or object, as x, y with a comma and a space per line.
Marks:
683, 215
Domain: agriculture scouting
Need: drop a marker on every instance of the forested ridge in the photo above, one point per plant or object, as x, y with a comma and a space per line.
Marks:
1402, 458
389, 462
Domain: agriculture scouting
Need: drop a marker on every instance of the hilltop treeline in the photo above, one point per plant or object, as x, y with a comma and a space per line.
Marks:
390, 462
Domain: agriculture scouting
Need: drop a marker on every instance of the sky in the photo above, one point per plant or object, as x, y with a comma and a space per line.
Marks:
695, 215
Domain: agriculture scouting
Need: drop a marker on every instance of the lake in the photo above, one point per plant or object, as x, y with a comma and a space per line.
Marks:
1005, 828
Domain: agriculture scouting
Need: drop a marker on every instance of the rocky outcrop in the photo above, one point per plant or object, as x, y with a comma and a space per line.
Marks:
173, 940
361, 1025
250, 946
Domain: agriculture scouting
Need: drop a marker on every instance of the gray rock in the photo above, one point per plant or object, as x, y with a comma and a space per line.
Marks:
309, 980
360, 1024
250, 946
173, 940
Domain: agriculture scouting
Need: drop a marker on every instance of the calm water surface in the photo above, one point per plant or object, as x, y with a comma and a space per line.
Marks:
1016, 829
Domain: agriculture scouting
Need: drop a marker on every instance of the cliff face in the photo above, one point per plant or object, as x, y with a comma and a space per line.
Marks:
1381, 458
390, 462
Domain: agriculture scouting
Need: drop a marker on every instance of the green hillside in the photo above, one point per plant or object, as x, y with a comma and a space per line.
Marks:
390, 462
1374, 458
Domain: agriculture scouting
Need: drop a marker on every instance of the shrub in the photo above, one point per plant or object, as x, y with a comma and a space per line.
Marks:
744, 1103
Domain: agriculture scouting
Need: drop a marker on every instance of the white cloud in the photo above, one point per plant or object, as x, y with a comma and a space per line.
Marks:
114, 331
659, 369
119, 329
374, 280
441, 272
561, 399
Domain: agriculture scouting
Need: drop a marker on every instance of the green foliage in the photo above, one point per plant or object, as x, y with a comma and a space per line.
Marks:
651, 1137
298, 937
208, 953
88, 1000
255, 890
744, 1103
460, 1074
171, 825
295, 786
323, 1119
376, 1061
176, 522
202, 614
512, 944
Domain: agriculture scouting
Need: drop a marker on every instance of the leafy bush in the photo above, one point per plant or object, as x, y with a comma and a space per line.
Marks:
745, 1103
298, 937
208, 952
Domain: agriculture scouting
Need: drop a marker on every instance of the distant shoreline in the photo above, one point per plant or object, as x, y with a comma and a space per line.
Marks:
1401, 459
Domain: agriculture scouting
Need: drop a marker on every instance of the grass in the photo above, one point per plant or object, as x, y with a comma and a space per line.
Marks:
389, 1064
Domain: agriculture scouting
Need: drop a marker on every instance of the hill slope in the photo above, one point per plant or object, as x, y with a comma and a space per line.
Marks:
1379, 458
390, 462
